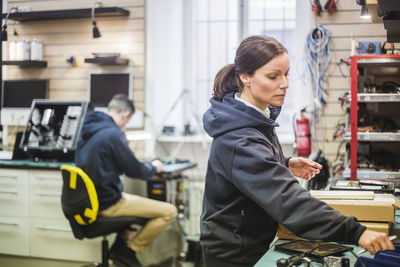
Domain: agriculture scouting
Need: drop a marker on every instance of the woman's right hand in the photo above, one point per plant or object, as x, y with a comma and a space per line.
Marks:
375, 241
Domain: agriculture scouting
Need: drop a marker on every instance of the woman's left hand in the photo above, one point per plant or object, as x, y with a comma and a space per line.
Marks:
304, 168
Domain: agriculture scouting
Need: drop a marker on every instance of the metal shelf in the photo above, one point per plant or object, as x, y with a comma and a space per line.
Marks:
378, 97
184, 139
387, 62
371, 174
375, 137
67, 14
25, 63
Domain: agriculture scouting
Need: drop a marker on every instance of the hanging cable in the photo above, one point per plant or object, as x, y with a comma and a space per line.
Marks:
318, 58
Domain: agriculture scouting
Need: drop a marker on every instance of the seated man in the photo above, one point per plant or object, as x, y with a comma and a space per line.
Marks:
103, 153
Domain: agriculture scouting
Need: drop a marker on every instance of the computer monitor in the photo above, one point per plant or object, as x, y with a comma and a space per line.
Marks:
104, 85
20, 93
53, 129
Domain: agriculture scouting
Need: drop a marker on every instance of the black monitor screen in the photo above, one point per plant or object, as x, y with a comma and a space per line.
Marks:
20, 93
103, 86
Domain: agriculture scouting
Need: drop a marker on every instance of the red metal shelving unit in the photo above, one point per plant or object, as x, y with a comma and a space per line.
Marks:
355, 61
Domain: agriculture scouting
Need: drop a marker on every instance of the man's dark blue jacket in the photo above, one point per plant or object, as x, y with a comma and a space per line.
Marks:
103, 153
249, 190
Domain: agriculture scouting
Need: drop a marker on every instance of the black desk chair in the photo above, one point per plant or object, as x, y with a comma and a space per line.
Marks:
80, 206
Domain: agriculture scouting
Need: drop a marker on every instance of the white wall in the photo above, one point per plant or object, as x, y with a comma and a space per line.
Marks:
164, 61
305, 21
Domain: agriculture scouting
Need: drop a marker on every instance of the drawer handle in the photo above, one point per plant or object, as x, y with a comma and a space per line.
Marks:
52, 178
42, 194
52, 228
8, 177
9, 224
9, 192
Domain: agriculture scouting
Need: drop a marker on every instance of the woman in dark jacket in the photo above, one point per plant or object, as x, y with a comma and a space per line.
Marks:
250, 185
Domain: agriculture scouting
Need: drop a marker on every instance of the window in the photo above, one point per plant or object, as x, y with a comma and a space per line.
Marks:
218, 26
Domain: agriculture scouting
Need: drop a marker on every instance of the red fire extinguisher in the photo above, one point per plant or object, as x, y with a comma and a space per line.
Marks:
303, 138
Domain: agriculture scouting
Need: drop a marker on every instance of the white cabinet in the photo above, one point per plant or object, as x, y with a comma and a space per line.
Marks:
14, 233
52, 238
14, 236
13, 193
31, 218
45, 194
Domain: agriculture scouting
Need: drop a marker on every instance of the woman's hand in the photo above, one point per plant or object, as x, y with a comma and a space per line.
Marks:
304, 168
374, 241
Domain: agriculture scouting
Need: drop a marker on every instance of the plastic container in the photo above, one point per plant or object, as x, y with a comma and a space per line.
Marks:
386, 258
12, 50
36, 50
23, 50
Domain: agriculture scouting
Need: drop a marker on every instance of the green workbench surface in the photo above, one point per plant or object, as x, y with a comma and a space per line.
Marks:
30, 164
270, 258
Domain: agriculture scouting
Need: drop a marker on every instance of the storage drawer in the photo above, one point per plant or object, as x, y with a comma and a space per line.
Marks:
14, 193
14, 236
54, 239
45, 194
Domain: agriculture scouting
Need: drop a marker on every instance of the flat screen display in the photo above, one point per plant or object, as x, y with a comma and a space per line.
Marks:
20, 93
103, 86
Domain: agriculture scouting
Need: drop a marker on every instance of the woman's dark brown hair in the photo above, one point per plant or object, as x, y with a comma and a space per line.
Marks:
253, 53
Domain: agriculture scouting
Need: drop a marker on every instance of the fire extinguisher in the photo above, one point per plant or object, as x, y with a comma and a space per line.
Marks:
303, 137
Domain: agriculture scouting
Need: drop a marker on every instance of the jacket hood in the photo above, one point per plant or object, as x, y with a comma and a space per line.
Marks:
95, 122
230, 114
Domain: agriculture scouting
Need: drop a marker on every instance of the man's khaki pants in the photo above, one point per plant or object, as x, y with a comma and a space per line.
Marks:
161, 214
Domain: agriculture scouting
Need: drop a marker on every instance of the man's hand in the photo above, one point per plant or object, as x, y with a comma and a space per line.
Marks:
304, 168
158, 164
375, 241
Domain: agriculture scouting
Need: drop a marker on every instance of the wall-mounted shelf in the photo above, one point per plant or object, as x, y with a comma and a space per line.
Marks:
67, 14
25, 63
108, 61
197, 138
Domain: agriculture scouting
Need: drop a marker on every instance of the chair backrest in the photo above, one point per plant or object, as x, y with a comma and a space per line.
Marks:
79, 198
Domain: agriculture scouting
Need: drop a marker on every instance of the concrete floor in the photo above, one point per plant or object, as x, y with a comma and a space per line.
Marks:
16, 261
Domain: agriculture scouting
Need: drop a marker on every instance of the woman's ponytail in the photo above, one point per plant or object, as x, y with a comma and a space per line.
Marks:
226, 81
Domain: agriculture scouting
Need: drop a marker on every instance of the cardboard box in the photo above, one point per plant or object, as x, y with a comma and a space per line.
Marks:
369, 207
383, 227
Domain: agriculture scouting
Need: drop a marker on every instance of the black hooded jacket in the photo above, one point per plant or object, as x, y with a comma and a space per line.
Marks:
249, 190
103, 153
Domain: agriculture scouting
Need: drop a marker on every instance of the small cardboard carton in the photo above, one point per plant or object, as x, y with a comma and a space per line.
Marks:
365, 206
375, 211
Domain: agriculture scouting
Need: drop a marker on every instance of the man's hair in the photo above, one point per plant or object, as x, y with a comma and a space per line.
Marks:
120, 103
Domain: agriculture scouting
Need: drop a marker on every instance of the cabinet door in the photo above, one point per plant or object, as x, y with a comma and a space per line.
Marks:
14, 193
54, 239
14, 236
45, 194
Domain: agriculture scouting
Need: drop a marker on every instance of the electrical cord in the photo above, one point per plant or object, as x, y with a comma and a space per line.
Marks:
296, 260
317, 49
358, 258
318, 58
316, 247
